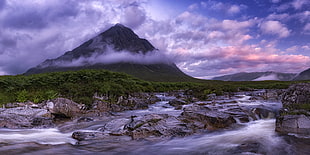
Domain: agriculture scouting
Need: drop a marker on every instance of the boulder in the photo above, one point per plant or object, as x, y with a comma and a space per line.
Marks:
25, 118
177, 103
156, 125
295, 115
62, 107
263, 112
201, 117
299, 124
296, 94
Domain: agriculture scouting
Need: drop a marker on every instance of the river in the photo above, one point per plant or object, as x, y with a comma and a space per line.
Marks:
254, 137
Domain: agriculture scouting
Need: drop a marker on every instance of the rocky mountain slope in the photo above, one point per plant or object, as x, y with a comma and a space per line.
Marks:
304, 75
257, 76
117, 49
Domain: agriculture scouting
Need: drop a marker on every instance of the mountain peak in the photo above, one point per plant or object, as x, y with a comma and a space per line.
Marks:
123, 38
119, 25
116, 49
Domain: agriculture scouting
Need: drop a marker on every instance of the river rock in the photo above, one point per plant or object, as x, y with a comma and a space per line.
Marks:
90, 135
263, 112
295, 116
64, 108
123, 105
156, 125
177, 103
201, 117
299, 124
296, 94
25, 118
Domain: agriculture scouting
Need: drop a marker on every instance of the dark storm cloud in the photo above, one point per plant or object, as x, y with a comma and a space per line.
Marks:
2, 4
32, 31
38, 16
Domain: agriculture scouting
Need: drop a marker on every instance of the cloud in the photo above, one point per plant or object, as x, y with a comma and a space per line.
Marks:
267, 77
219, 7
234, 9
32, 31
307, 28
201, 44
275, 28
275, 1
281, 17
133, 16
2, 4
298, 4
36, 15
234, 59
295, 4
111, 56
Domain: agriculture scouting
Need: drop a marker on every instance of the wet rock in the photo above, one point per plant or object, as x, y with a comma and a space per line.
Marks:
25, 118
156, 125
85, 119
201, 117
299, 124
63, 107
247, 148
295, 116
79, 135
42, 122
177, 103
115, 126
238, 114
263, 112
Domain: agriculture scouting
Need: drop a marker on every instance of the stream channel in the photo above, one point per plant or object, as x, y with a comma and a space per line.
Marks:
257, 136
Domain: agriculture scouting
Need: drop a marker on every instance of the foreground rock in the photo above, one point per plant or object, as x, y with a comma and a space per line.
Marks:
156, 125
200, 117
131, 102
21, 117
63, 107
299, 124
295, 116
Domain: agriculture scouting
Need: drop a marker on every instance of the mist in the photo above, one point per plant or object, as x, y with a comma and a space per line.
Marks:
111, 56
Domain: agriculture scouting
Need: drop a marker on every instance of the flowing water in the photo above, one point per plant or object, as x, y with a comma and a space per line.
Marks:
255, 136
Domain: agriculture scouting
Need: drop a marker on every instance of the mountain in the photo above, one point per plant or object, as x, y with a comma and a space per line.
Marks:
116, 49
304, 75
256, 76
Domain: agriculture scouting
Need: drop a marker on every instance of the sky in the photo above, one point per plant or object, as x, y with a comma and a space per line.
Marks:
205, 38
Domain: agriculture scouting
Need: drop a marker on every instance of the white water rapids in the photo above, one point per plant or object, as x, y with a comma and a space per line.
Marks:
41, 136
255, 136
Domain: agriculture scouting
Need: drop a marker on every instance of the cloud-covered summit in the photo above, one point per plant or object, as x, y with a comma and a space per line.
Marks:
118, 44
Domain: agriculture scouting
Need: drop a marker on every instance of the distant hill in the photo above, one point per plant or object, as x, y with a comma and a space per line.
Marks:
116, 49
304, 75
256, 76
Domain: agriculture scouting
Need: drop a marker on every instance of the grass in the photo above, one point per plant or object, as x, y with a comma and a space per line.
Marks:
80, 86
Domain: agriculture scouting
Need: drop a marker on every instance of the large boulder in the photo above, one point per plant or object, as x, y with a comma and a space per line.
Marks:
21, 117
295, 115
201, 117
64, 108
299, 124
156, 125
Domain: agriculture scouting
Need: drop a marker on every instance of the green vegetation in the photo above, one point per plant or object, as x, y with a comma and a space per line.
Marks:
80, 86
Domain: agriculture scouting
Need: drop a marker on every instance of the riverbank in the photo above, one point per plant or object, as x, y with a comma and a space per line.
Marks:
236, 123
